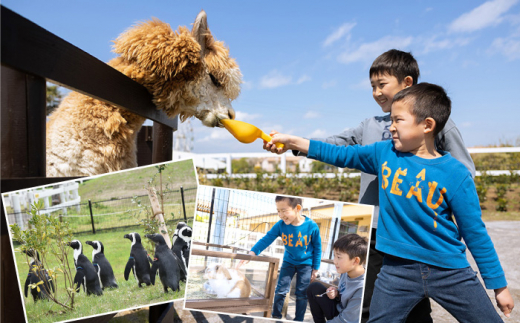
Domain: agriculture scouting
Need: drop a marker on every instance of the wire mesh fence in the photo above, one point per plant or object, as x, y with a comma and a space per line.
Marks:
116, 213
240, 218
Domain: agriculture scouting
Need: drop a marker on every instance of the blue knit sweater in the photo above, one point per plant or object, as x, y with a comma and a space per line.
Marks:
302, 243
417, 199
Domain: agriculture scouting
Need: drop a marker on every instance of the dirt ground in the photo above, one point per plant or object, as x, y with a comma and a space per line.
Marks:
506, 237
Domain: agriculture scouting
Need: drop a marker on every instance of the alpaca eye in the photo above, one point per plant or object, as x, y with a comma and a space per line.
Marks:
215, 81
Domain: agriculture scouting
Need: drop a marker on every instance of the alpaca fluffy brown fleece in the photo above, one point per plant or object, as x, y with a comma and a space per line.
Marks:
188, 73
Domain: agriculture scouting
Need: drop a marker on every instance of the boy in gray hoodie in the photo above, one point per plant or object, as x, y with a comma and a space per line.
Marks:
341, 304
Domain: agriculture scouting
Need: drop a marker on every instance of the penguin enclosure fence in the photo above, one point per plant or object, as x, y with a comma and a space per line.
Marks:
115, 214
262, 273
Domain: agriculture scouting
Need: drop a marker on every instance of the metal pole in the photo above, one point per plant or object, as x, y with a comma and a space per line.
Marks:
91, 216
210, 216
183, 205
333, 238
209, 227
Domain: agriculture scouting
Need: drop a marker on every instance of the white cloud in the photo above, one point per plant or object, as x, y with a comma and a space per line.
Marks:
318, 133
216, 134
274, 79
369, 51
508, 47
433, 43
327, 85
303, 78
311, 115
243, 116
487, 14
246, 85
338, 33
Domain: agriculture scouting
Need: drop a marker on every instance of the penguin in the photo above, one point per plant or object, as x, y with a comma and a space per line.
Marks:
166, 262
86, 274
138, 261
181, 243
101, 264
36, 274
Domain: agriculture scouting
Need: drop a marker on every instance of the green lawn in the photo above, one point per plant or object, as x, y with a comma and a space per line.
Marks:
128, 295
130, 183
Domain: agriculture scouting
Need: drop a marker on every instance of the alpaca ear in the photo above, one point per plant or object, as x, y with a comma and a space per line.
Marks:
200, 30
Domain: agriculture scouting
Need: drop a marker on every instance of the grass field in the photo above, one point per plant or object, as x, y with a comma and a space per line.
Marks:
131, 183
128, 295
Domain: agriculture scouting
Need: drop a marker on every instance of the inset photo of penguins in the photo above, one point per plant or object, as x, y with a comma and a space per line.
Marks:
97, 246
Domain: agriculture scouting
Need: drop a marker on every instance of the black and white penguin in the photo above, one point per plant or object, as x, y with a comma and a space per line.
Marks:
166, 262
37, 274
138, 261
101, 264
86, 274
181, 242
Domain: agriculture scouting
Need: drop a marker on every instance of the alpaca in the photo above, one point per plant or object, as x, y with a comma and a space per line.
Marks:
187, 73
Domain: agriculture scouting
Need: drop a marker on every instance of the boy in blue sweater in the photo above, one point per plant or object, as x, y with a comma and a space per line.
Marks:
428, 204
391, 72
302, 256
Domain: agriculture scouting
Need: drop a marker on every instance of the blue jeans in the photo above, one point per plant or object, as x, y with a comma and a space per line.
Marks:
303, 279
401, 284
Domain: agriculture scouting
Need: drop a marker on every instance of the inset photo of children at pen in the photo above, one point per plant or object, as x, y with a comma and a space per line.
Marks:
277, 256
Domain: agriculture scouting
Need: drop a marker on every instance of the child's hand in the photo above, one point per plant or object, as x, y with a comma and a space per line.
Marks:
314, 275
332, 292
504, 300
270, 146
244, 262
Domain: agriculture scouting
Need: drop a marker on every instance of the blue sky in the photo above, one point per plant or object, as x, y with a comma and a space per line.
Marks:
305, 64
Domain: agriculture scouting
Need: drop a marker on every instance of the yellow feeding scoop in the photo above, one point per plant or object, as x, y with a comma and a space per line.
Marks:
246, 133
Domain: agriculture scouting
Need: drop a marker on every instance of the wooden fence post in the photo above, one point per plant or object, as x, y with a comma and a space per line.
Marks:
23, 124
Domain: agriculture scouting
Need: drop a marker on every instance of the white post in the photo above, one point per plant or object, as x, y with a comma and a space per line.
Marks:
46, 201
17, 210
31, 199
228, 164
74, 197
63, 199
283, 164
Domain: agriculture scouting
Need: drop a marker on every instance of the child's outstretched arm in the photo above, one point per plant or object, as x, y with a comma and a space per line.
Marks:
504, 300
269, 146
290, 142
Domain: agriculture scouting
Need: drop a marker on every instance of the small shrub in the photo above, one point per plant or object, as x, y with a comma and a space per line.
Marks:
501, 205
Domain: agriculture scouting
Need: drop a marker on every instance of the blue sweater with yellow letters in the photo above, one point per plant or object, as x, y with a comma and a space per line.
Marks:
417, 199
302, 243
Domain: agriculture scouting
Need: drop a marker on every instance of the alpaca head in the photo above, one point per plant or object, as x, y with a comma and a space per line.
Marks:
189, 73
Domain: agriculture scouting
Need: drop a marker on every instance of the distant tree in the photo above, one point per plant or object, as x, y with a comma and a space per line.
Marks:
53, 98
242, 166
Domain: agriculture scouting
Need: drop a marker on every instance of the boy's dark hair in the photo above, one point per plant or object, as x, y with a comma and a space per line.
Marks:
396, 63
429, 101
293, 201
353, 245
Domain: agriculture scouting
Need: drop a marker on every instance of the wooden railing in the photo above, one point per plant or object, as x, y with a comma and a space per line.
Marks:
30, 57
